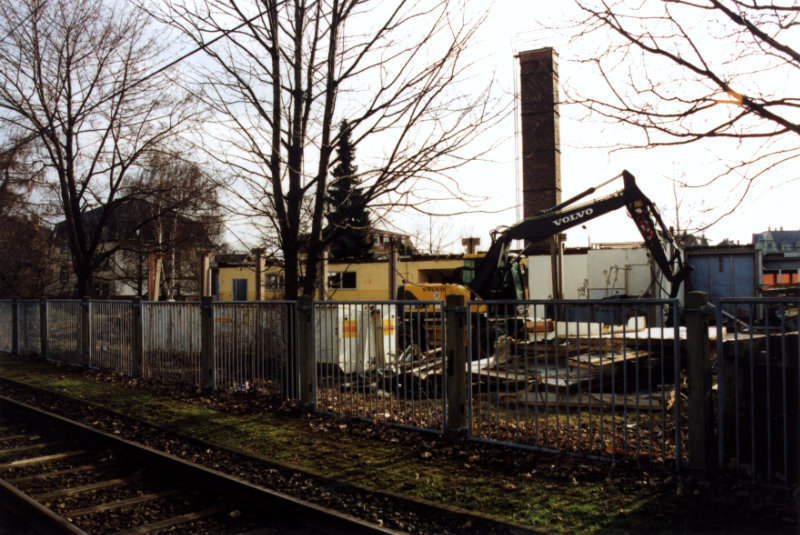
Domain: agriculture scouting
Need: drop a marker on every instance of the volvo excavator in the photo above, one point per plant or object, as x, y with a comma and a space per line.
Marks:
499, 275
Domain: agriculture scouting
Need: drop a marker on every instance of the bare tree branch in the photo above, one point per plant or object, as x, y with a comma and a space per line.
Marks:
72, 76
396, 71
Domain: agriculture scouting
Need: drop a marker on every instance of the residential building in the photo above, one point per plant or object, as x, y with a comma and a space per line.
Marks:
147, 250
779, 256
383, 242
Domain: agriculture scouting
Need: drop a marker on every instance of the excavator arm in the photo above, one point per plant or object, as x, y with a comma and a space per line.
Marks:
495, 275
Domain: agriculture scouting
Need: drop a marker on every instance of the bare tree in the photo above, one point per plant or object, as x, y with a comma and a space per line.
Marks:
293, 69
682, 71
72, 78
26, 272
431, 237
180, 211
18, 176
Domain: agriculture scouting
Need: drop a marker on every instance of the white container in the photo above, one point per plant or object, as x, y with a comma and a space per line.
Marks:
354, 337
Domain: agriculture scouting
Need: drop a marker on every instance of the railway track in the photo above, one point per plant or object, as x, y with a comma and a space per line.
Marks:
66, 477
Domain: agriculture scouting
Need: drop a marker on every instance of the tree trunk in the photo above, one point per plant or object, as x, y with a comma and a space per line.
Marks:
84, 275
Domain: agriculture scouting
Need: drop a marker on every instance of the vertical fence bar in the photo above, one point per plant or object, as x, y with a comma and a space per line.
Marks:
676, 393
172, 334
207, 363
701, 421
85, 332
722, 391
15, 327
307, 362
759, 409
29, 327
583, 377
291, 332
44, 330
6, 326
137, 349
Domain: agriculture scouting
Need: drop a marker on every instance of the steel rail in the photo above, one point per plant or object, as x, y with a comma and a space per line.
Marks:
278, 504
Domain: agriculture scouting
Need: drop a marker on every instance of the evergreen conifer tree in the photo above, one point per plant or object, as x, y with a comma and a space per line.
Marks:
348, 218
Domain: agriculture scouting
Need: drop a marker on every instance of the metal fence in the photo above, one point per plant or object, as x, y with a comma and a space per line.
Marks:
171, 342
758, 404
111, 338
381, 361
64, 331
29, 326
254, 344
603, 379
588, 387
6, 326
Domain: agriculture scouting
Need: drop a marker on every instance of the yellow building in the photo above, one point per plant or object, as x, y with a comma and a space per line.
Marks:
378, 280
233, 277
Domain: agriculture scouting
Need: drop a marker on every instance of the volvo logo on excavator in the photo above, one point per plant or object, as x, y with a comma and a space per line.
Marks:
572, 217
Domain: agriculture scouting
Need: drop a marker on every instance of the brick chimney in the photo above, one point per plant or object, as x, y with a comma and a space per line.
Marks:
541, 151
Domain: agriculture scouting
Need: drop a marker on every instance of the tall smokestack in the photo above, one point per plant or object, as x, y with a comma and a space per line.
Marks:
541, 151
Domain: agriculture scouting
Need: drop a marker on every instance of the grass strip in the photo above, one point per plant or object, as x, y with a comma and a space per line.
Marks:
519, 492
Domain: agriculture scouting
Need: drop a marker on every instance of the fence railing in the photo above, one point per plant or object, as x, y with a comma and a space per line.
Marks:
171, 342
602, 386
7, 326
250, 346
65, 331
254, 344
28, 326
758, 405
111, 336
381, 361
610, 379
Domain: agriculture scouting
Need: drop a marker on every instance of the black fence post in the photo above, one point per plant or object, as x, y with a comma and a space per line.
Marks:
701, 415
43, 329
207, 357
306, 361
456, 361
15, 327
137, 353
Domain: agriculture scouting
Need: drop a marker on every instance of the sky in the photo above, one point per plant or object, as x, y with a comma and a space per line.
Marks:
511, 28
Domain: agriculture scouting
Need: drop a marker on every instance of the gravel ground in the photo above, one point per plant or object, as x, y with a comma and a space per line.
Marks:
389, 511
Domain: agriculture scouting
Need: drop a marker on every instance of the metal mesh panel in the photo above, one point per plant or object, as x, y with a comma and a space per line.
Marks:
585, 377
253, 343
381, 361
6, 326
64, 332
758, 375
111, 332
29, 325
171, 342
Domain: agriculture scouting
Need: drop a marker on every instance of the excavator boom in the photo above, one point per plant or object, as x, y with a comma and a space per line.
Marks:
494, 276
